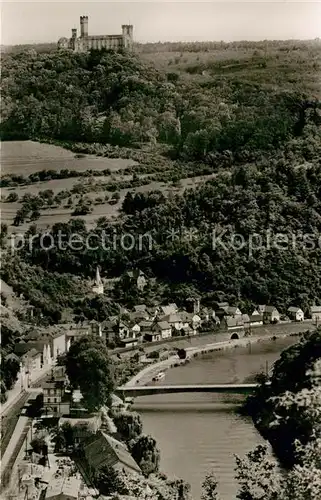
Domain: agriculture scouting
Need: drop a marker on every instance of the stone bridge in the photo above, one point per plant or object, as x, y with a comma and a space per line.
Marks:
148, 390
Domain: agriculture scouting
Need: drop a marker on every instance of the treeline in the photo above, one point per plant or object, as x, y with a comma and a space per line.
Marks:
293, 375
280, 45
115, 98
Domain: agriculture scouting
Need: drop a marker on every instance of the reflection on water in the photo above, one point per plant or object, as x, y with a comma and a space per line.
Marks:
200, 432
198, 435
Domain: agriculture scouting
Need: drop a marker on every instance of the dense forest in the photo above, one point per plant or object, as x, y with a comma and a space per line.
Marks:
292, 374
252, 124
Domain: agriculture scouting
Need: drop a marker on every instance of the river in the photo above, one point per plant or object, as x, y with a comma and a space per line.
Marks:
201, 432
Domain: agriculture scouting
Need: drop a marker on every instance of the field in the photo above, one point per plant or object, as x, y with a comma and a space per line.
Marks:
26, 157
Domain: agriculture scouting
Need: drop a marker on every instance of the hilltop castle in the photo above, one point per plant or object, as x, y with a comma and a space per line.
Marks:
86, 42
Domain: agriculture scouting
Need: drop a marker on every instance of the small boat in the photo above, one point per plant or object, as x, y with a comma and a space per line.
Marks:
159, 376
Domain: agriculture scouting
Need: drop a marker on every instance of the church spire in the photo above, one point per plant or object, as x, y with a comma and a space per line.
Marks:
98, 279
98, 285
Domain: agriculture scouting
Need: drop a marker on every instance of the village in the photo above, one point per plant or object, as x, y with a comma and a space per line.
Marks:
145, 325
46, 466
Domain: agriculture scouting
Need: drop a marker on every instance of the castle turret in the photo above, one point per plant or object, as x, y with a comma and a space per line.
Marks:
74, 33
83, 26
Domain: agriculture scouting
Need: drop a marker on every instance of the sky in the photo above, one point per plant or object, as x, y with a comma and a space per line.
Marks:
47, 21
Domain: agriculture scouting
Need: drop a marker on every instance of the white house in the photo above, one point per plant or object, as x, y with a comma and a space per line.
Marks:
256, 320
270, 314
295, 313
164, 328
135, 329
315, 312
175, 321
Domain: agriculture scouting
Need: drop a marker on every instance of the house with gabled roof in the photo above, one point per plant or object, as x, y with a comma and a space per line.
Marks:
169, 309
295, 313
145, 326
261, 308
233, 311
175, 321
153, 336
139, 315
192, 319
193, 304
233, 323
140, 308
134, 328
137, 277
31, 360
206, 314
123, 311
256, 319
164, 328
63, 488
315, 312
103, 450
41, 345
153, 312
221, 309
270, 314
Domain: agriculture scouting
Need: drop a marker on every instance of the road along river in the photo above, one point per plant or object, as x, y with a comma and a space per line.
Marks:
201, 432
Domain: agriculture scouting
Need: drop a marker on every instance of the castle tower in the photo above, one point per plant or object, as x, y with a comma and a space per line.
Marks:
128, 30
84, 26
127, 33
74, 33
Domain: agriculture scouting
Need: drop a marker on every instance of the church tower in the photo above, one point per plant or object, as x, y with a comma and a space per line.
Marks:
98, 285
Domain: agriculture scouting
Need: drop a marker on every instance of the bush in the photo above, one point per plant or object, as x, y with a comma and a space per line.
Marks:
12, 197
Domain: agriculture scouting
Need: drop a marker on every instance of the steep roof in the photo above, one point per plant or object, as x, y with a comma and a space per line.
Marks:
109, 325
294, 309
232, 310
105, 450
172, 318
256, 317
68, 486
163, 325
22, 347
270, 309
32, 353
231, 321
315, 309
169, 309
184, 315
140, 308
136, 315
145, 324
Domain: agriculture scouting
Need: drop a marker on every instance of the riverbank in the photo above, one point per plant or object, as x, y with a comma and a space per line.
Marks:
198, 432
202, 339
146, 374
